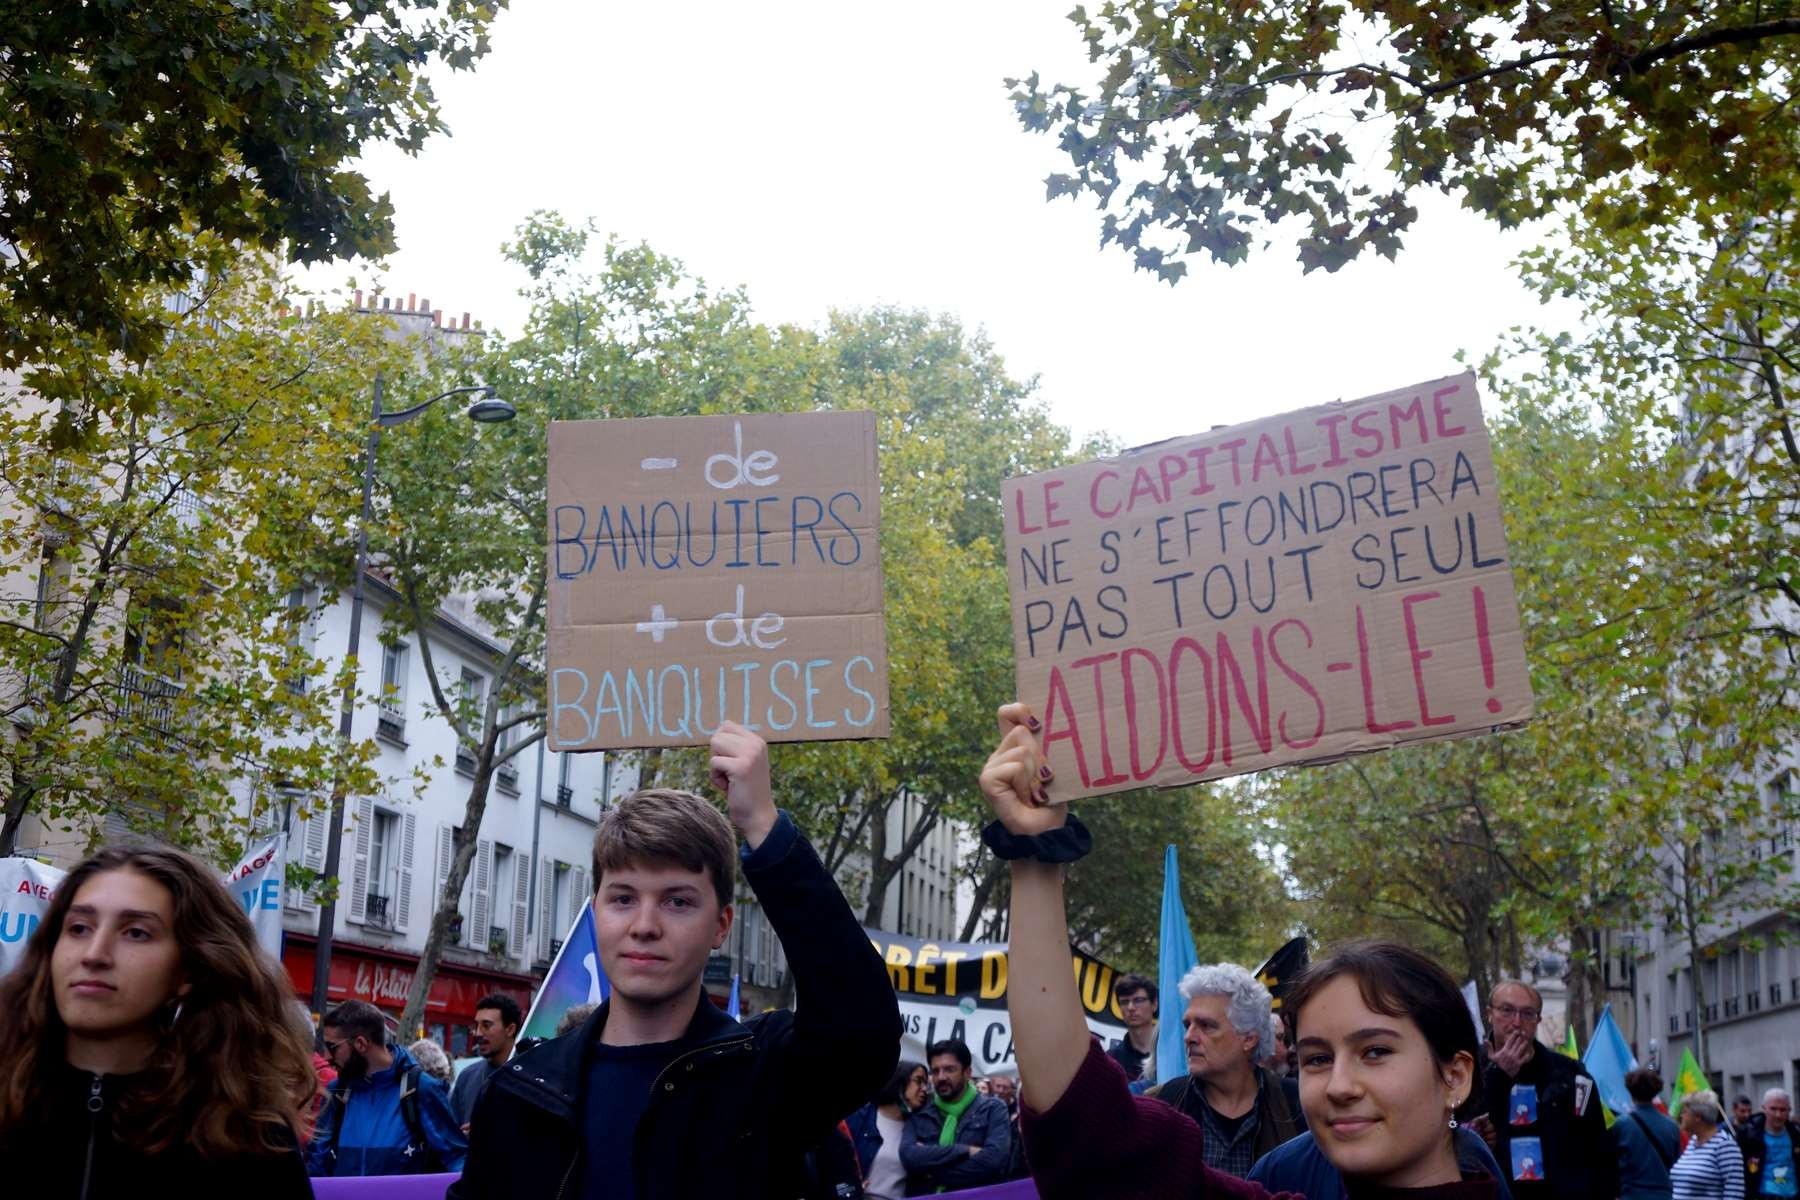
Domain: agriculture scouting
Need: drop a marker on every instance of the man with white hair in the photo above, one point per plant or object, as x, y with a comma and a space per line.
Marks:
1244, 1110
1767, 1140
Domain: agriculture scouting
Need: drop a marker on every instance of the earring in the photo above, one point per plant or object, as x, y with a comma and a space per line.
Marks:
175, 1017
1453, 1118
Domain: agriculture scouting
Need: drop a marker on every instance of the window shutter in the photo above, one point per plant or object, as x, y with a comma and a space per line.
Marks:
311, 844
444, 851
484, 875
578, 892
409, 828
359, 861
547, 931
521, 909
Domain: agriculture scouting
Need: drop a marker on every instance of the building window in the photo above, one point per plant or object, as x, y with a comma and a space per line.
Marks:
505, 863
391, 710
383, 868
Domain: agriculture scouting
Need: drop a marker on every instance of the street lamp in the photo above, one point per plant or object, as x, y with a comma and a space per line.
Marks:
489, 409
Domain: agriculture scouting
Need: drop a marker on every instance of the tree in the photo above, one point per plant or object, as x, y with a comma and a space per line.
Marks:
129, 127
1212, 123
152, 644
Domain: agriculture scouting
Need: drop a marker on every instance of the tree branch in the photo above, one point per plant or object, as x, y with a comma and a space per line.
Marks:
1638, 63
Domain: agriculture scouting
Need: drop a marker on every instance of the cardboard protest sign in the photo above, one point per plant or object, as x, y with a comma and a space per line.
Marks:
958, 990
1295, 589
26, 889
256, 882
715, 568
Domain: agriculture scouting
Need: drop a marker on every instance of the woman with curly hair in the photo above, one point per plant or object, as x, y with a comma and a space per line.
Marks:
147, 1046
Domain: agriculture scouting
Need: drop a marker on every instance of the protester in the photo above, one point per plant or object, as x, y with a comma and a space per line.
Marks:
497, 1024
1300, 1167
660, 1094
1741, 1112
147, 1047
1648, 1141
429, 1055
1542, 1107
878, 1130
1006, 1090
385, 1115
1385, 1045
961, 1139
1244, 1109
573, 1018
1712, 1166
1136, 1053
1767, 1143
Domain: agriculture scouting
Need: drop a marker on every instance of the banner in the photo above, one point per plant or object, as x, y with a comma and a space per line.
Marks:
1295, 589
704, 569
576, 977
26, 888
257, 882
958, 990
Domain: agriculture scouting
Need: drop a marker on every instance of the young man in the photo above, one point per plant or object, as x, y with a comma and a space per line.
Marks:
1245, 1110
1136, 997
660, 1095
961, 1138
497, 1023
383, 1115
1563, 1131
1770, 1147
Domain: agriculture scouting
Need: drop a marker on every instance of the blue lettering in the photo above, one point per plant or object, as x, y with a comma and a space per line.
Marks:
570, 541
869, 696
813, 722
662, 701
855, 541
22, 927
793, 712
558, 705
271, 895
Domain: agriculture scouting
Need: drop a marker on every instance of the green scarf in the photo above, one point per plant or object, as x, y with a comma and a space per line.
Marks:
953, 1111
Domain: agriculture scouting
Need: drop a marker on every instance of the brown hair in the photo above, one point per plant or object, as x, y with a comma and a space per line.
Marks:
230, 1076
665, 827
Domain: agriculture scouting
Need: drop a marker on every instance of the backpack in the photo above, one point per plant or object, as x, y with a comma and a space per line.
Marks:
409, 1112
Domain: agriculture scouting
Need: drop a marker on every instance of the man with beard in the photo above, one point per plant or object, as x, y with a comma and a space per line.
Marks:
497, 1021
961, 1138
384, 1115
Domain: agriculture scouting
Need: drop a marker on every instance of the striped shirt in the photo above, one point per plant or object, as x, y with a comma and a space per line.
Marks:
1713, 1171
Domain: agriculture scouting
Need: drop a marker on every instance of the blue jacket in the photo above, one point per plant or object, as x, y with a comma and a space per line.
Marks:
865, 1133
933, 1168
363, 1132
1644, 1174
1299, 1166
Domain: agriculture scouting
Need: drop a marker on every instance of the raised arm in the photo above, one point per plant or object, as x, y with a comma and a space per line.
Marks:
1049, 1032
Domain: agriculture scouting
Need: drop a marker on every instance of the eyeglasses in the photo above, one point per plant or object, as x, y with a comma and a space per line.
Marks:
331, 1046
1508, 1011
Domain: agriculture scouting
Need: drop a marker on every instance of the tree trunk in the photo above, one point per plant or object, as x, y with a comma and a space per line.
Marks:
984, 891
463, 841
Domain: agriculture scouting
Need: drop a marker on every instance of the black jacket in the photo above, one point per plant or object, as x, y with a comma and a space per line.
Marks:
1750, 1143
1580, 1158
71, 1153
735, 1114
934, 1168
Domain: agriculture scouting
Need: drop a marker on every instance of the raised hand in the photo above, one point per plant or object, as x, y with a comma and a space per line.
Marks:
1015, 777
740, 769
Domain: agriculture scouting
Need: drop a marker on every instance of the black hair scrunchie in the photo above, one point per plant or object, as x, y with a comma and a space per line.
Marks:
1063, 845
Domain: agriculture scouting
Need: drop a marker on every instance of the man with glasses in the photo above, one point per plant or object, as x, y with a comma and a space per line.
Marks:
384, 1115
1136, 997
1543, 1114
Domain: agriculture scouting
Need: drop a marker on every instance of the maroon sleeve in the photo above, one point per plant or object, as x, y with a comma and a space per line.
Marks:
1100, 1140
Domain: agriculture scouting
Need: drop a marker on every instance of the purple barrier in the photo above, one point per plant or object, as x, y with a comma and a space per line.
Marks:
432, 1187
1018, 1189
385, 1187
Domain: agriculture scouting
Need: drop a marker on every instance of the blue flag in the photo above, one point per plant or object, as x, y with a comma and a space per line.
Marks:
576, 977
1176, 959
732, 1005
1607, 1059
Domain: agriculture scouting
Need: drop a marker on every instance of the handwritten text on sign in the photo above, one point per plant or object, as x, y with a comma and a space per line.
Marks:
705, 569
1295, 589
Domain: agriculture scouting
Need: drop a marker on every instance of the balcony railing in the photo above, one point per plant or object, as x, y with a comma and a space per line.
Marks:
465, 761
507, 776
1774, 994
390, 723
148, 697
555, 948
497, 940
376, 914
565, 795
1674, 1023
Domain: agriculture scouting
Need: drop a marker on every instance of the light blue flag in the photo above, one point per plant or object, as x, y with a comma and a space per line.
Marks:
576, 977
732, 1005
1176, 959
1607, 1059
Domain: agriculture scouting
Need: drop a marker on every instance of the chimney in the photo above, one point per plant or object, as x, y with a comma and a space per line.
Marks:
465, 323
412, 302
384, 304
357, 303
437, 316
425, 306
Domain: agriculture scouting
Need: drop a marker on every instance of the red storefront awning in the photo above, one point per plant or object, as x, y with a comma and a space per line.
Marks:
383, 977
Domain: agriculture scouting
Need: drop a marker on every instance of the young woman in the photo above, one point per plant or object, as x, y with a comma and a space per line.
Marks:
1385, 1044
1712, 1166
147, 1047
878, 1128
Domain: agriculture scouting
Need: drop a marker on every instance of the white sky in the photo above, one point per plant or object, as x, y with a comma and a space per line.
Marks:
843, 154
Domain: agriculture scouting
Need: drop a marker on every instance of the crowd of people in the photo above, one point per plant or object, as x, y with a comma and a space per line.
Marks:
149, 1047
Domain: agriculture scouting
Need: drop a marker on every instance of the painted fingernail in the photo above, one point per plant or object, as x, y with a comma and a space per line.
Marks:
1046, 774
1033, 724
1041, 796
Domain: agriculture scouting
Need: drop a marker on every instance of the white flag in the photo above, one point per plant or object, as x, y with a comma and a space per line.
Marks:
257, 882
26, 887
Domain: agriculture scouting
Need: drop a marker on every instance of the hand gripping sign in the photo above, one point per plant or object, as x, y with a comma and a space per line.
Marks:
1295, 589
705, 569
